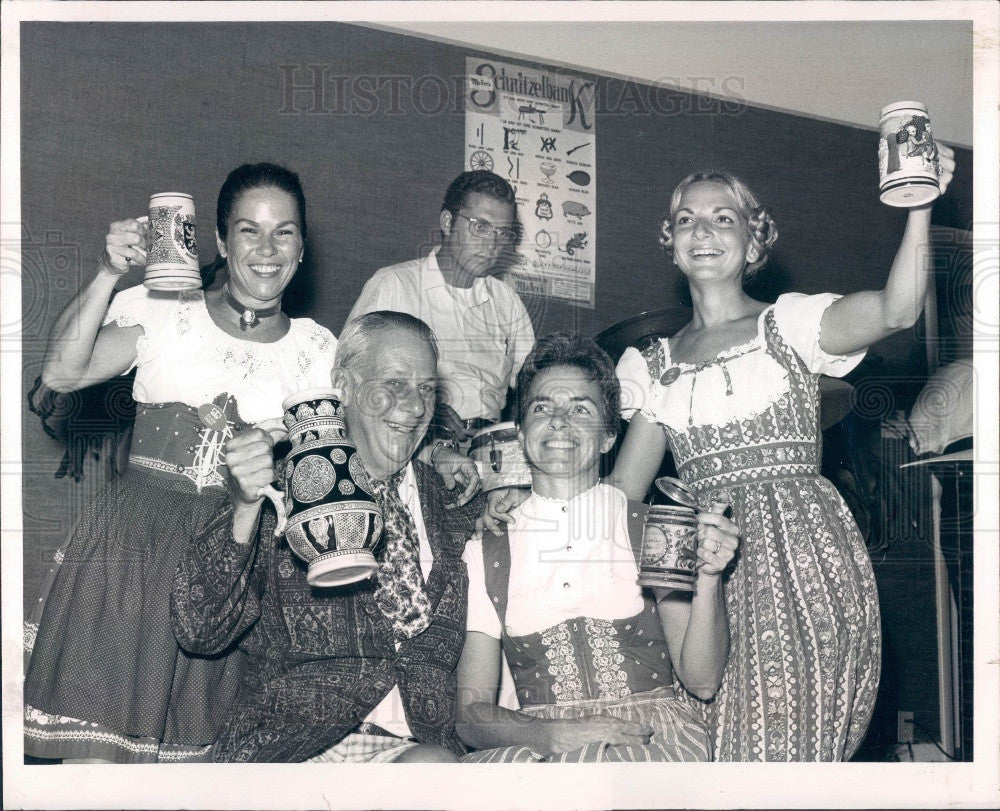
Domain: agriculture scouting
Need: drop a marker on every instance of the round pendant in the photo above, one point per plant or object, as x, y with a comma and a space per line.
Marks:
669, 376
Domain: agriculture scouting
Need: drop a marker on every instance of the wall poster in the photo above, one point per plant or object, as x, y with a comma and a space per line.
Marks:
536, 128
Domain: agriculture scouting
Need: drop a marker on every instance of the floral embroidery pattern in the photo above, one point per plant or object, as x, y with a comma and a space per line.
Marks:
184, 316
321, 339
30, 633
612, 681
561, 653
183, 356
305, 361
43, 726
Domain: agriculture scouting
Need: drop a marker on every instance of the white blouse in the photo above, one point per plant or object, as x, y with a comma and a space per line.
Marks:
182, 356
567, 559
739, 383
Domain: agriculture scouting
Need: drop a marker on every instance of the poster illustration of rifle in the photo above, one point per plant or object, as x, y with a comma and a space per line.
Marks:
536, 128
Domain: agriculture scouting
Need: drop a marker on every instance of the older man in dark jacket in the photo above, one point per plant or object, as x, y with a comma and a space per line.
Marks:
361, 673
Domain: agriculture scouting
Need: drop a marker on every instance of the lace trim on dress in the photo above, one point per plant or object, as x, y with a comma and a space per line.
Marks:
699, 396
738, 384
564, 501
189, 313
126, 320
798, 318
726, 355
129, 319
831, 361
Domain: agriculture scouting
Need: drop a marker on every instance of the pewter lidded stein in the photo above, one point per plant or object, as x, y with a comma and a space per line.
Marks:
498, 455
327, 511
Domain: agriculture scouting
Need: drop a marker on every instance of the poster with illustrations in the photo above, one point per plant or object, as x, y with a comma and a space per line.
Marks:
536, 128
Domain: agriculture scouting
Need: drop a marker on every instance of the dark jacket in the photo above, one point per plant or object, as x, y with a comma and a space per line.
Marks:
319, 660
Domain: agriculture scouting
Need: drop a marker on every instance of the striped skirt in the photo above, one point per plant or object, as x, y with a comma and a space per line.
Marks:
680, 733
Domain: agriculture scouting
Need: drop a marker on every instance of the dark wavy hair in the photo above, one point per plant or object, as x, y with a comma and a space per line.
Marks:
572, 349
242, 178
255, 176
918, 121
479, 181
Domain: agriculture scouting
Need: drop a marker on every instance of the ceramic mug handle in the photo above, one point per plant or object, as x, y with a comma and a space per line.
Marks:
278, 432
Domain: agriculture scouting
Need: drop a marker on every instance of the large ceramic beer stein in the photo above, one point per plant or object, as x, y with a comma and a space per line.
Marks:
669, 548
907, 156
172, 251
327, 511
499, 457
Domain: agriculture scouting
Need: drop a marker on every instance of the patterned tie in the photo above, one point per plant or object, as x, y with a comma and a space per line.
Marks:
400, 594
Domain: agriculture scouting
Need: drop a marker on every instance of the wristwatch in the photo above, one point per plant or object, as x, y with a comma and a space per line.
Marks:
441, 442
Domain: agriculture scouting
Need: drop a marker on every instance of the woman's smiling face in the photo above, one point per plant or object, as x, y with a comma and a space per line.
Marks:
711, 240
263, 246
563, 429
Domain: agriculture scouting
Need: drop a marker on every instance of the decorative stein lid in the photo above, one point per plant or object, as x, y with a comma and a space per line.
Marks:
307, 395
900, 106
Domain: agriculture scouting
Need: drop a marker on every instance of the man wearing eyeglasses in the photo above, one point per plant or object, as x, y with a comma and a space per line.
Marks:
483, 331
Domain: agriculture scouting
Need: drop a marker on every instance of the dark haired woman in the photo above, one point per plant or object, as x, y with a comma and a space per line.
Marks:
106, 679
601, 670
734, 396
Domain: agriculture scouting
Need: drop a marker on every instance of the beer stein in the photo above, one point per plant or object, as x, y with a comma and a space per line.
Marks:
669, 558
326, 511
908, 156
499, 457
172, 250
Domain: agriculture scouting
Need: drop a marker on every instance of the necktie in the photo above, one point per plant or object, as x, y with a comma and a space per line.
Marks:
400, 594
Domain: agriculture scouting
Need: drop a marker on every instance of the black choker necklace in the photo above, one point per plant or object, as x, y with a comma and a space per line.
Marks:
249, 317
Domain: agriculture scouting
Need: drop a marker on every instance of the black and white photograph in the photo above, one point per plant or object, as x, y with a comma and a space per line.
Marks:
552, 395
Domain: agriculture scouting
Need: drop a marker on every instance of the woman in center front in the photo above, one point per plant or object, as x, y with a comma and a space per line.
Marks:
604, 671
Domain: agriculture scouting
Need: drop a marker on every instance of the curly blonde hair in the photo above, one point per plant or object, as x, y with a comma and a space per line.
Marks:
762, 227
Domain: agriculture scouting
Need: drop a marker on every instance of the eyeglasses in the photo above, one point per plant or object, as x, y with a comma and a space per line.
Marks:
481, 229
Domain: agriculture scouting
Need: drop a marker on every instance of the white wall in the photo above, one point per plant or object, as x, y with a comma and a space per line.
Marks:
845, 71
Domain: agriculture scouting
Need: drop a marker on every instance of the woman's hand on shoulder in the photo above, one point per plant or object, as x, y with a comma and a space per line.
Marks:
125, 246
718, 540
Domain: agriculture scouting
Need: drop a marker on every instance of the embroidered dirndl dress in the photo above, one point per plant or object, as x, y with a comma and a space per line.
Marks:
613, 661
106, 678
803, 667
